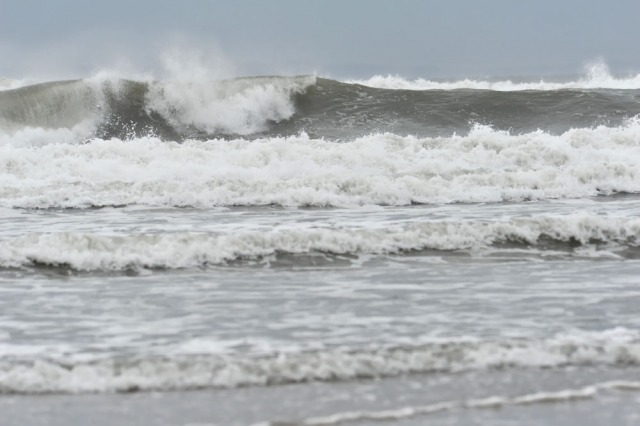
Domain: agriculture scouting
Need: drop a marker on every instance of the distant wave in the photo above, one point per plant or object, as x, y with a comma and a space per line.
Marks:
598, 76
25, 375
171, 110
287, 106
493, 402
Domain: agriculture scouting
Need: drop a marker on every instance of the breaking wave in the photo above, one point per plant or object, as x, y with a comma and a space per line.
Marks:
487, 403
287, 106
576, 235
380, 169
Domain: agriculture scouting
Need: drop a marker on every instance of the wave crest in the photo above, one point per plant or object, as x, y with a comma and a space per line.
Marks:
242, 106
286, 106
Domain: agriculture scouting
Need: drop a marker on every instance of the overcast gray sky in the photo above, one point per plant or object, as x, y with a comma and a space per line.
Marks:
339, 38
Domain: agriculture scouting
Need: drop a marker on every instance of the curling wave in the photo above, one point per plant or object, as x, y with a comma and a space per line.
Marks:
597, 76
490, 403
287, 106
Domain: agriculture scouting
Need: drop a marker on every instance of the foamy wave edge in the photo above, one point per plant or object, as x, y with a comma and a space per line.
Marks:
616, 347
95, 252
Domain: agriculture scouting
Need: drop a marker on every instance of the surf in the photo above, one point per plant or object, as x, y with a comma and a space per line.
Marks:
596, 76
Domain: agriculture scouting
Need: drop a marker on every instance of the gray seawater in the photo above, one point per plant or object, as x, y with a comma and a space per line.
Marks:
303, 251
302, 338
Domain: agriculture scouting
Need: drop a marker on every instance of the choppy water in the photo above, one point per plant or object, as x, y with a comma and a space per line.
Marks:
323, 252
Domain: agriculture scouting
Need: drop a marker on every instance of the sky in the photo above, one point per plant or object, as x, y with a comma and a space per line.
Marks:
335, 38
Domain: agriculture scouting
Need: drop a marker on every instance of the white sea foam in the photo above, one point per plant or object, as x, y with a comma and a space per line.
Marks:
87, 251
39, 136
617, 347
241, 106
381, 169
597, 76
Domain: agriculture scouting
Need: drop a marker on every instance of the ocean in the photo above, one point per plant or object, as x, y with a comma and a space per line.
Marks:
299, 250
